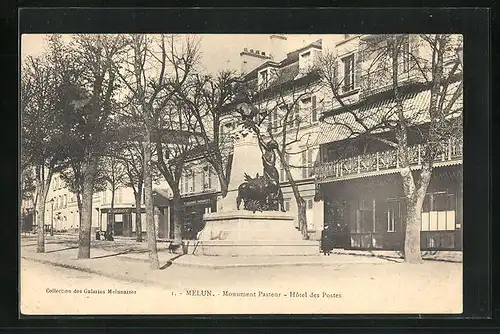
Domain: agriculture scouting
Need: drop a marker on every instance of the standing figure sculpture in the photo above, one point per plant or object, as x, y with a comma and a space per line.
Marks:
274, 194
262, 193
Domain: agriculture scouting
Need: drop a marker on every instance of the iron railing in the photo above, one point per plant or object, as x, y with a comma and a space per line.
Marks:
449, 150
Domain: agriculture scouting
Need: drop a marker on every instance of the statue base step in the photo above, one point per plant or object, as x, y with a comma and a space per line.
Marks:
256, 248
244, 233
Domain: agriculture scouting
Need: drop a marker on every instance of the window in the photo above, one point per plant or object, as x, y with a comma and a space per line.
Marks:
263, 78
392, 215
348, 63
186, 183
118, 218
119, 195
273, 124
193, 181
307, 164
438, 212
283, 176
305, 61
287, 205
309, 203
314, 112
405, 55
294, 116
210, 175
181, 185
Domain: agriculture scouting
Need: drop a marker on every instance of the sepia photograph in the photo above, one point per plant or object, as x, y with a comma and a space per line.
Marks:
182, 174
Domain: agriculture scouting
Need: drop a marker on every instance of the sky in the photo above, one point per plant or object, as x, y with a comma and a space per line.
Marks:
219, 51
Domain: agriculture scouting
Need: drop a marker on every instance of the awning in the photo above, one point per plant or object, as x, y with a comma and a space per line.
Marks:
415, 106
160, 197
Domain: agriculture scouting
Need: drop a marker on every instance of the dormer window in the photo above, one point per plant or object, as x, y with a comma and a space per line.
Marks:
305, 61
263, 78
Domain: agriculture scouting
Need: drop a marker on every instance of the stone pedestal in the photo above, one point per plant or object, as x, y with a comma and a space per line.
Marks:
232, 232
247, 158
244, 233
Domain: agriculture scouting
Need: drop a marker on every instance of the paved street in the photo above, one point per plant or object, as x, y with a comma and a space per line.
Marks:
387, 287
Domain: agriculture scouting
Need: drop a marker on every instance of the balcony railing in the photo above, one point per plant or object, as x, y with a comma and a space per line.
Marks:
358, 166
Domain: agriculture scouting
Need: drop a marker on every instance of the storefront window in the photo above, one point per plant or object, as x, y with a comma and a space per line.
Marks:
439, 212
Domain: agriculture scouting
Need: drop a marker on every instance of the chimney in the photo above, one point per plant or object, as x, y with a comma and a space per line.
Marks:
277, 47
250, 59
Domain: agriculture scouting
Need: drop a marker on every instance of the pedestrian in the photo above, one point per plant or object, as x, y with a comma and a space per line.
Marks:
326, 240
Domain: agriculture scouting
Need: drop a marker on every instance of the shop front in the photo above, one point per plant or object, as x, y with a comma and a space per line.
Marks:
370, 213
194, 208
119, 221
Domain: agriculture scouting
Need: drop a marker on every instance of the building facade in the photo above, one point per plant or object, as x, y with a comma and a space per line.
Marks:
362, 187
357, 192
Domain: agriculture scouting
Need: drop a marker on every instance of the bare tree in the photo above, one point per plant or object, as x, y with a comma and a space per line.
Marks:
154, 69
132, 158
206, 98
40, 130
391, 62
94, 59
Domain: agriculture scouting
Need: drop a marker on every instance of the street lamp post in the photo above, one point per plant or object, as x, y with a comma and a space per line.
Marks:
52, 218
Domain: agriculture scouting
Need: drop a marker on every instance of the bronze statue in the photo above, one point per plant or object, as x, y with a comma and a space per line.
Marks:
263, 193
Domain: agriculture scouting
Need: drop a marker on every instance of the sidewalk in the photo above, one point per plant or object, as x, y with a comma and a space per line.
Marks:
130, 266
128, 261
444, 256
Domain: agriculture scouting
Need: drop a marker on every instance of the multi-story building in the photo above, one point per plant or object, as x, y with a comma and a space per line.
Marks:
357, 191
362, 187
62, 214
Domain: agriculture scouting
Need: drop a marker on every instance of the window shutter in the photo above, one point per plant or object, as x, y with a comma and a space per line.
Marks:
358, 59
310, 163
304, 165
282, 173
314, 111
193, 175
209, 177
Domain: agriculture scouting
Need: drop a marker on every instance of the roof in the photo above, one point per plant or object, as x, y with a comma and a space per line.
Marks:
344, 125
291, 58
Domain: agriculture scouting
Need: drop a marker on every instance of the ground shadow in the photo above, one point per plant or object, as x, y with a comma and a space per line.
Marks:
169, 262
61, 249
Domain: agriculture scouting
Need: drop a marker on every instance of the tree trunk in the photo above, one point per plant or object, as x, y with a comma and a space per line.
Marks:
138, 215
86, 214
111, 225
223, 179
301, 204
178, 217
42, 197
301, 208
43, 184
148, 189
412, 236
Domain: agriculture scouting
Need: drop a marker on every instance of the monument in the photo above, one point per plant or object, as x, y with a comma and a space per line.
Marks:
252, 220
